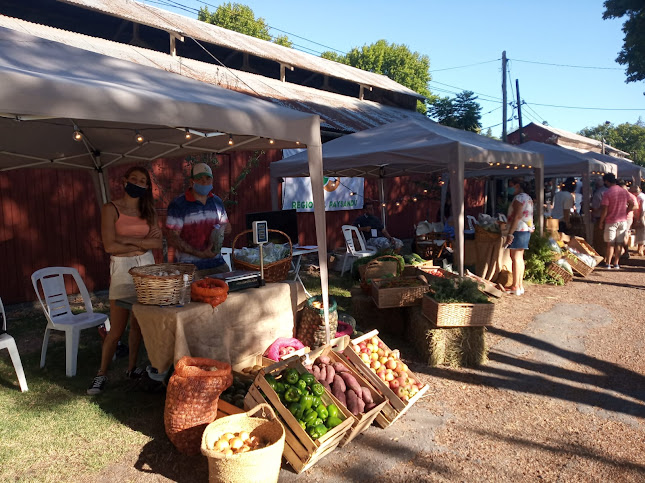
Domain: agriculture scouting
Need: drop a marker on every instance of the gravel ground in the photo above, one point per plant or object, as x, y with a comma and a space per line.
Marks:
562, 399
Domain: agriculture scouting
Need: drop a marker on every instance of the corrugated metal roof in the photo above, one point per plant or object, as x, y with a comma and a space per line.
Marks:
163, 19
578, 138
337, 112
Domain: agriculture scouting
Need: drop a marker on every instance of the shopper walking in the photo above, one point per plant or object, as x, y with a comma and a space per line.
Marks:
615, 204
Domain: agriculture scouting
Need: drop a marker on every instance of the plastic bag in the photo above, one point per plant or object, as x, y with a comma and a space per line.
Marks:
273, 352
344, 329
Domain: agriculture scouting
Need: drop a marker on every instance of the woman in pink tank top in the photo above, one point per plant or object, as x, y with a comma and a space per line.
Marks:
129, 231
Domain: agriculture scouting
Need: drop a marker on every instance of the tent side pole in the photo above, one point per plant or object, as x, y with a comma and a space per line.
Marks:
457, 197
539, 193
381, 195
274, 193
586, 197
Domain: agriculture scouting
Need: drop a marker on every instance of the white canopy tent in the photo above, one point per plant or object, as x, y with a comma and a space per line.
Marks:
625, 167
50, 90
413, 147
562, 162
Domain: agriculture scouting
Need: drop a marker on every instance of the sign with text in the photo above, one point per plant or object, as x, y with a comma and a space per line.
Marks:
340, 194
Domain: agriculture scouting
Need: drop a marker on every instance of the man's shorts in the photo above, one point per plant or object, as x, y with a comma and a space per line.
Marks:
615, 233
121, 283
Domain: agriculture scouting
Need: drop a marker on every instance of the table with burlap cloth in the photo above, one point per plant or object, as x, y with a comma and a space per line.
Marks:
244, 325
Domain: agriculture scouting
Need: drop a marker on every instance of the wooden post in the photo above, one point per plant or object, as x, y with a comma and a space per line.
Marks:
519, 109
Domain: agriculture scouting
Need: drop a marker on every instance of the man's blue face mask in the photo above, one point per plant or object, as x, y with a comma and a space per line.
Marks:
202, 189
510, 191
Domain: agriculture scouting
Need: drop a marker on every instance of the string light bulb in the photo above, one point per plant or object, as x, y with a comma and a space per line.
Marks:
230, 140
188, 135
271, 141
351, 193
414, 198
425, 191
530, 166
498, 164
398, 203
298, 143
383, 205
138, 137
77, 135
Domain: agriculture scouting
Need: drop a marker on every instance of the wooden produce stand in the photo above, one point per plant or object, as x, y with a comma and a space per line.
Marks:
361, 421
395, 407
300, 451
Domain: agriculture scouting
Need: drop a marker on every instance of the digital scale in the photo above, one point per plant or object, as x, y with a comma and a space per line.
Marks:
239, 279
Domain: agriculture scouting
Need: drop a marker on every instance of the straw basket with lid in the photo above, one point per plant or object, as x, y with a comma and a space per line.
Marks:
273, 272
260, 465
161, 284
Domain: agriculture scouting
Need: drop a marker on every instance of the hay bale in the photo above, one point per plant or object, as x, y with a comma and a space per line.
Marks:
454, 346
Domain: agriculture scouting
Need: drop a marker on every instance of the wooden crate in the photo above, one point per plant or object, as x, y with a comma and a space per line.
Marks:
414, 270
437, 272
395, 407
300, 451
457, 315
226, 409
362, 421
582, 246
387, 298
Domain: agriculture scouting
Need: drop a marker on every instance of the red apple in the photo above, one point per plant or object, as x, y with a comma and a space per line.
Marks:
362, 345
375, 341
401, 381
403, 393
375, 365
381, 345
399, 366
389, 376
394, 384
391, 364
380, 352
381, 374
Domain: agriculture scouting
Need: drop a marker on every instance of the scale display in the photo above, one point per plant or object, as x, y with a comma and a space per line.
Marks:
260, 232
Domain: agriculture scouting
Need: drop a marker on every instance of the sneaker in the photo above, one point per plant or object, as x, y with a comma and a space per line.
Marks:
616, 267
97, 385
136, 373
604, 265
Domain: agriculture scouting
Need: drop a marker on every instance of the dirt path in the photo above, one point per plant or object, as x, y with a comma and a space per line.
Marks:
562, 399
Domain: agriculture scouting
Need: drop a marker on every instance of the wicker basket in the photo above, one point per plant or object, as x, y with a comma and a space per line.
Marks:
457, 315
485, 235
578, 265
556, 271
392, 297
155, 289
273, 272
381, 267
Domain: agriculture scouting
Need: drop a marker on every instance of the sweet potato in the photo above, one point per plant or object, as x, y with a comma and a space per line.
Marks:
361, 406
369, 406
351, 382
316, 372
367, 395
330, 374
323, 360
325, 385
323, 373
352, 402
338, 394
340, 367
339, 382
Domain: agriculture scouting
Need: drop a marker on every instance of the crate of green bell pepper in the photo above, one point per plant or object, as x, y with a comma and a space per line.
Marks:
315, 422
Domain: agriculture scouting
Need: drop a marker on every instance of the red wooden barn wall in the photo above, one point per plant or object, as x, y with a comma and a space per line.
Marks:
51, 217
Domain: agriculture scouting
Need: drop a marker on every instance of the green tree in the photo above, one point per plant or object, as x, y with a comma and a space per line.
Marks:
240, 18
626, 137
462, 112
633, 51
395, 61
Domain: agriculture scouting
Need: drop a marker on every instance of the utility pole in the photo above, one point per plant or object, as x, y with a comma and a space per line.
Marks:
504, 114
519, 109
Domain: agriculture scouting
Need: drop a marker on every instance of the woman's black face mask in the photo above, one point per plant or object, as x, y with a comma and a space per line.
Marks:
135, 191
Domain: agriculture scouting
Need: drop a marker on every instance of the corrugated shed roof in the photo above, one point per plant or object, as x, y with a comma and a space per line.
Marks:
337, 112
162, 19
578, 138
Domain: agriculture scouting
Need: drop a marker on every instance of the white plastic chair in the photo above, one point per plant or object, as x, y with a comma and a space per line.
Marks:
348, 232
59, 314
8, 342
227, 253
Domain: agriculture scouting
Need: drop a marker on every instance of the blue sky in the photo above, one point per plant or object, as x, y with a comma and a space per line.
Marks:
462, 33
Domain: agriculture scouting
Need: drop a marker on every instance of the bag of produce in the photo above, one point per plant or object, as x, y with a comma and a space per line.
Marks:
311, 329
283, 346
564, 264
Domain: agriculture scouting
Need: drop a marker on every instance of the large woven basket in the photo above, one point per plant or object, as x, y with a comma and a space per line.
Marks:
273, 272
397, 296
556, 271
457, 315
154, 288
261, 465
578, 265
485, 235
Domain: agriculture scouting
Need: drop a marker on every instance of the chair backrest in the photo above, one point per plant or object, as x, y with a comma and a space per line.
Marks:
3, 326
348, 232
54, 299
227, 253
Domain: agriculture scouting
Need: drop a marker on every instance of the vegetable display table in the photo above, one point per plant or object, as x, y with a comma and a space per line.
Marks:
245, 324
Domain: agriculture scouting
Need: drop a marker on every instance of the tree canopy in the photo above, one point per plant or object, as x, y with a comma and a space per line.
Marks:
633, 51
626, 137
240, 18
462, 112
395, 61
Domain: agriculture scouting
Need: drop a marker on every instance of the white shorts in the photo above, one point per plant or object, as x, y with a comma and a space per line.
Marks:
121, 283
615, 233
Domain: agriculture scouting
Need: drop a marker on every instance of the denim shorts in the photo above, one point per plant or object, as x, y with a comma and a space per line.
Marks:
520, 240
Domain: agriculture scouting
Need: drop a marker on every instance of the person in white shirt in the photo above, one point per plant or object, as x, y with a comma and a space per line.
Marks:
563, 202
639, 219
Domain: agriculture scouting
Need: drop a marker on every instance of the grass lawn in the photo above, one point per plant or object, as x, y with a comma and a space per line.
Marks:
55, 432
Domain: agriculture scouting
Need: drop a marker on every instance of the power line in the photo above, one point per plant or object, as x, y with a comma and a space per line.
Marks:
534, 112
591, 108
568, 65
462, 89
464, 66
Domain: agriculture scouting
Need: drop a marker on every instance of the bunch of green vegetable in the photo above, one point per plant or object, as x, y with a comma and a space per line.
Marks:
413, 259
301, 394
537, 259
463, 291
